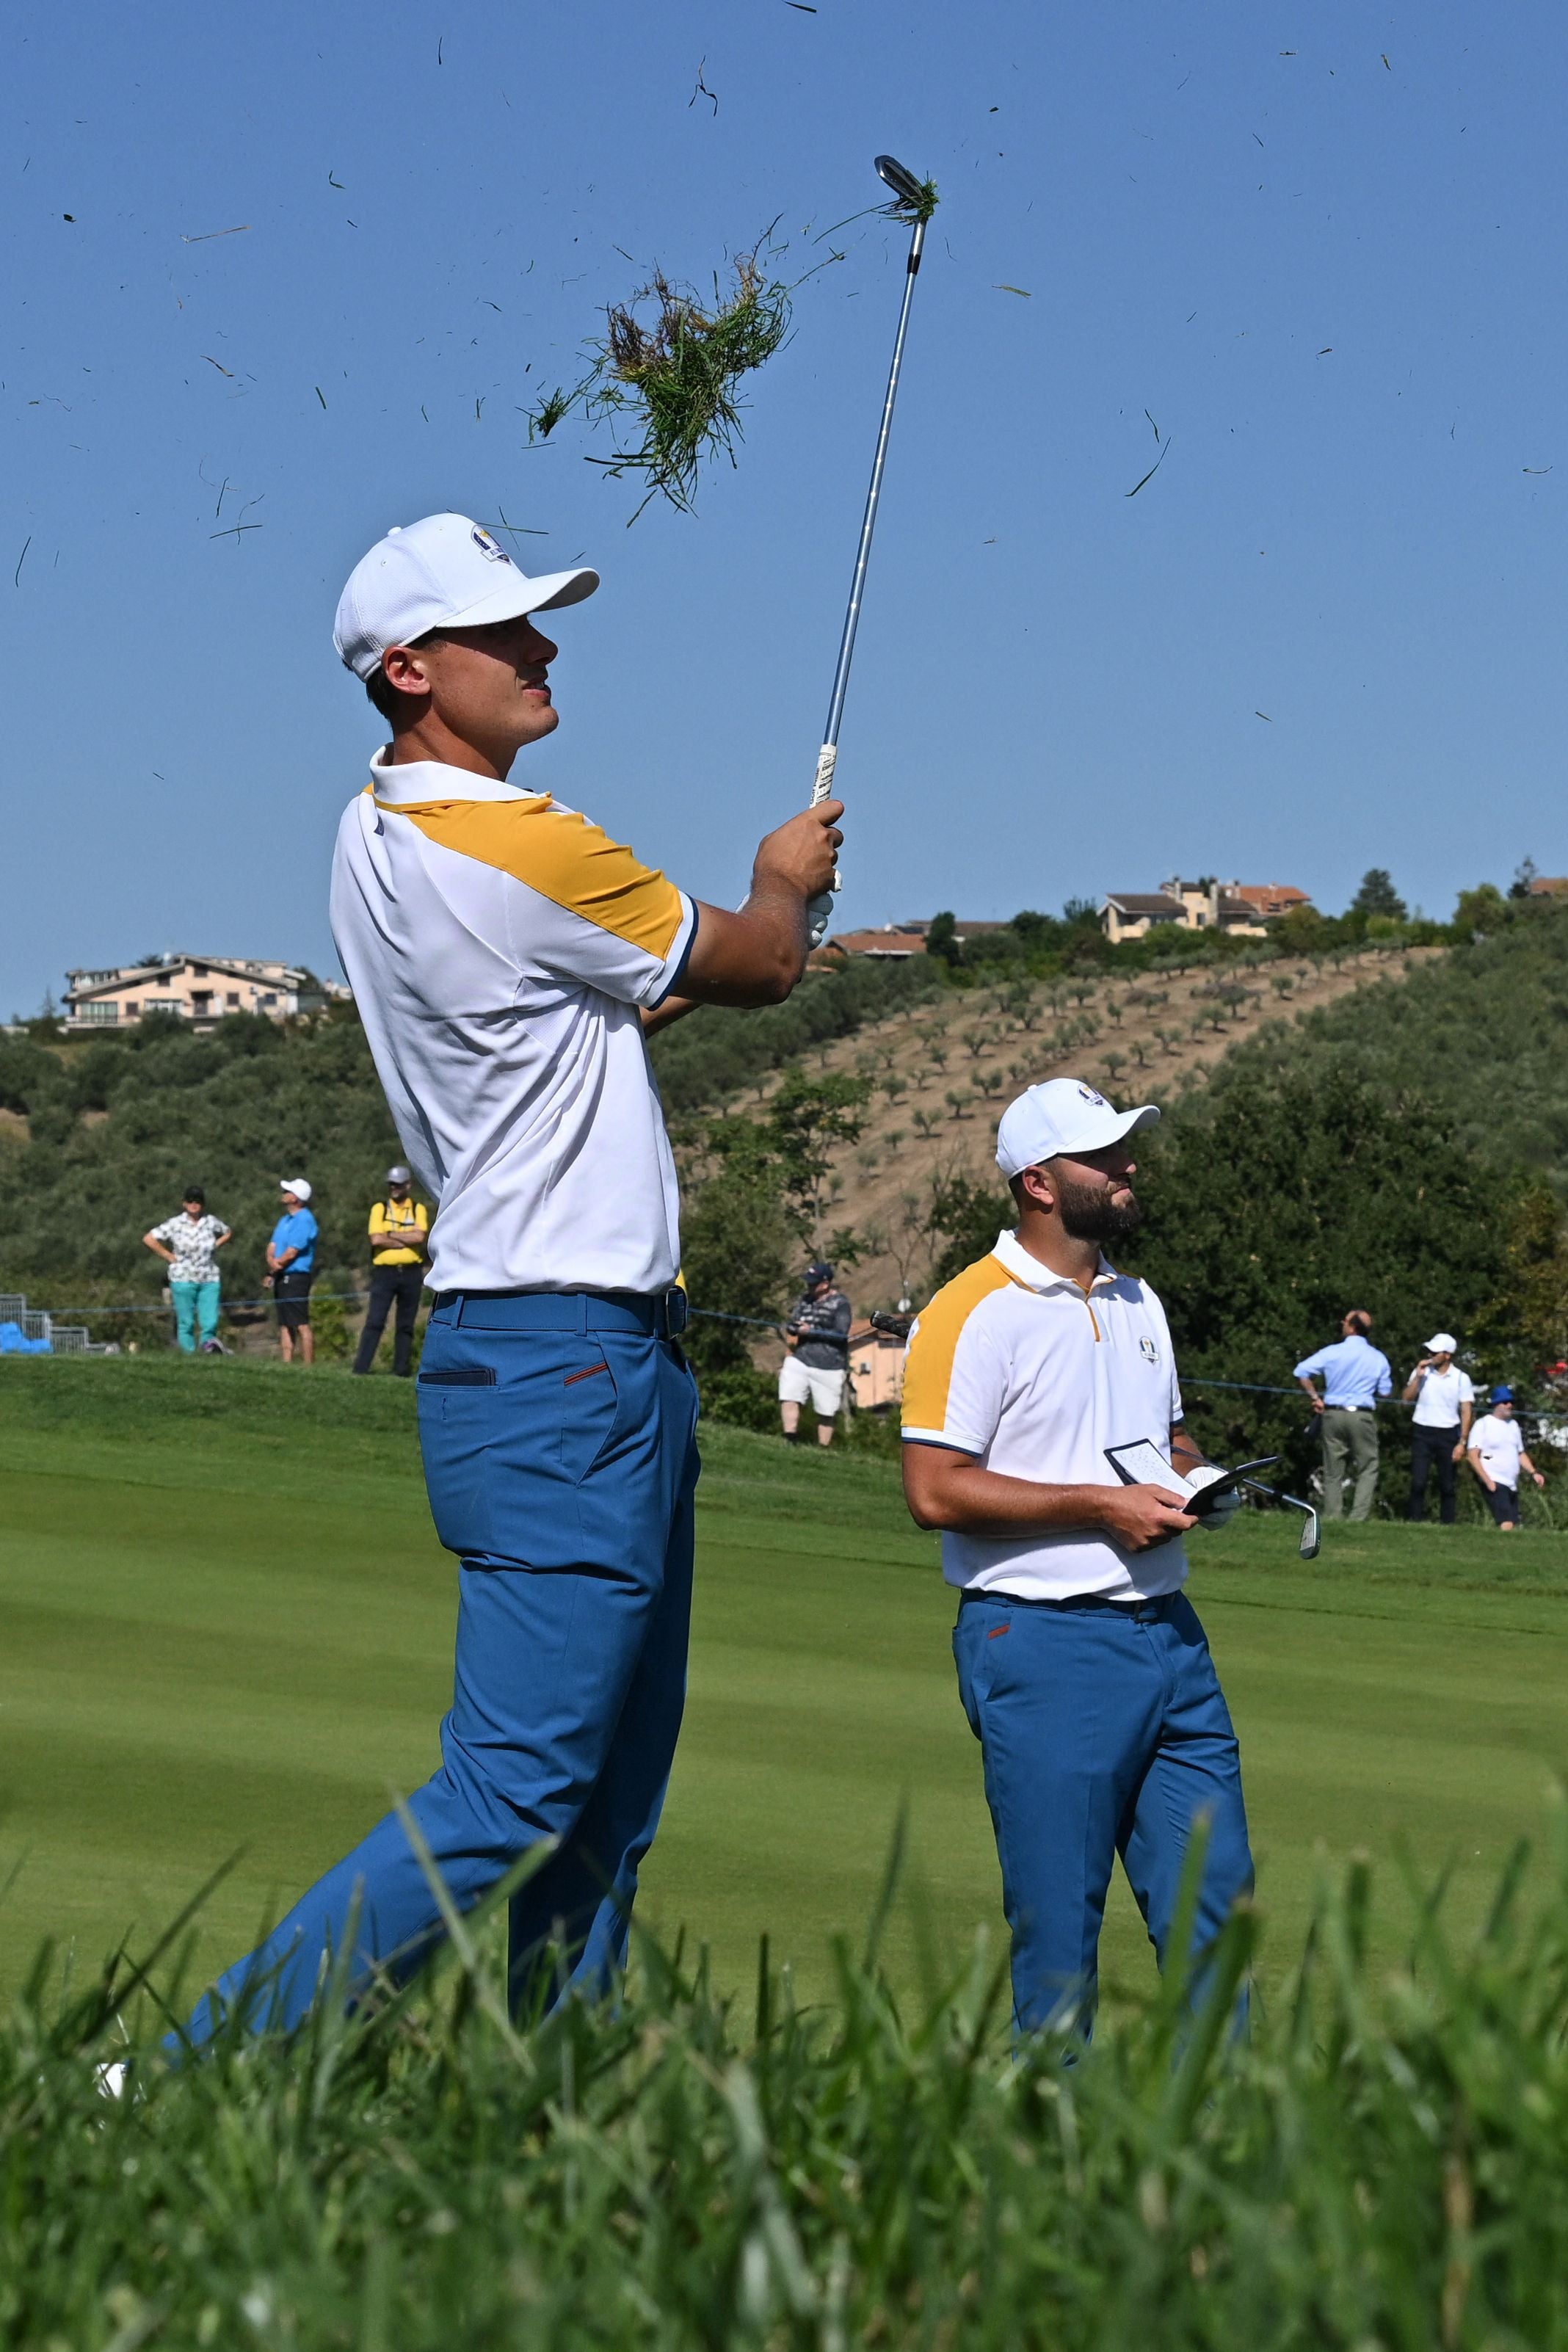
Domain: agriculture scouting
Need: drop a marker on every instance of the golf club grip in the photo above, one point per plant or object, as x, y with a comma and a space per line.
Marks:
827, 761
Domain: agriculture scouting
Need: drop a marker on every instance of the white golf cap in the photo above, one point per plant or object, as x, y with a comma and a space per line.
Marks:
398, 1175
1062, 1115
1442, 1343
297, 1185
445, 573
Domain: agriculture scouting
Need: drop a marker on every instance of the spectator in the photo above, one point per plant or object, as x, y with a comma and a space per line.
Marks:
818, 1338
291, 1269
1444, 1398
1497, 1458
1356, 1374
397, 1253
189, 1242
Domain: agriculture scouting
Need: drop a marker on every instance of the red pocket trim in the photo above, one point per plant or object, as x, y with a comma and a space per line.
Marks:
584, 1376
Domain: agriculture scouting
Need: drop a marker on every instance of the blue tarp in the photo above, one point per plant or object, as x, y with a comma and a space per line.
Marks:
14, 1342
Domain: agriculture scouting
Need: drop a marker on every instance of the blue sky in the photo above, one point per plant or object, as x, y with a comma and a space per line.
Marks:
1331, 282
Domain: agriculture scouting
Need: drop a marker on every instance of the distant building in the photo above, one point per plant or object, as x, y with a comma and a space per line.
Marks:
1549, 886
1247, 909
1132, 914
197, 989
876, 1368
890, 942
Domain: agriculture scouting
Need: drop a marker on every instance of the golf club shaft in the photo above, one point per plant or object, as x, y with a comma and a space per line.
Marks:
828, 756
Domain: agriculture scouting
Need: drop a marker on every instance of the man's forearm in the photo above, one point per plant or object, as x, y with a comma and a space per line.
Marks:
655, 1017
979, 1502
1188, 1450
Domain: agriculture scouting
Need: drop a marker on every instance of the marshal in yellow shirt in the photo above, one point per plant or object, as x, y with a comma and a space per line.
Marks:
389, 1222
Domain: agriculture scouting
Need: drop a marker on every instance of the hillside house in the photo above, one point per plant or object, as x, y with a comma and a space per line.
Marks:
1133, 914
876, 1368
890, 941
1244, 909
197, 989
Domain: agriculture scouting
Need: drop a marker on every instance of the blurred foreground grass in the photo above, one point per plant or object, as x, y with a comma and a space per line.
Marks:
1378, 2164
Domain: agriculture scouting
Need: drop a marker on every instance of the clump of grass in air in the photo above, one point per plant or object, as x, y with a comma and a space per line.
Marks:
675, 369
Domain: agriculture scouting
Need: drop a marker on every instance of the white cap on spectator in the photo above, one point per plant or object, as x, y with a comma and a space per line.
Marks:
398, 1175
1442, 1343
1062, 1115
443, 572
297, 1185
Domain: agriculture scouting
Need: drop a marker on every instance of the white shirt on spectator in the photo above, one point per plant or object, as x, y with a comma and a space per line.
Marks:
1440, 1397
1500, 1444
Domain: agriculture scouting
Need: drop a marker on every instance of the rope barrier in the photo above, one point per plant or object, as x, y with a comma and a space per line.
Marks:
708, 1314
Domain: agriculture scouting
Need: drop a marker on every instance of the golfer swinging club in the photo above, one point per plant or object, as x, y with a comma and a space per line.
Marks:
1082, 1667
509, 961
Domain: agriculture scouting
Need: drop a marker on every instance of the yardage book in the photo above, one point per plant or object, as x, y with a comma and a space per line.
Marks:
1142, 1464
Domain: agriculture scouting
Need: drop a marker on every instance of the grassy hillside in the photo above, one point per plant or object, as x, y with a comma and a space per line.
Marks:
97, 1137
1482, 1031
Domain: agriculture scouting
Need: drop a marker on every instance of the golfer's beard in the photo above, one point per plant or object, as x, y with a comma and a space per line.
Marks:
1090, 1214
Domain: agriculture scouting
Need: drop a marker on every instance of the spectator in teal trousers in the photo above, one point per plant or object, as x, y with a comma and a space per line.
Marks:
189, 1242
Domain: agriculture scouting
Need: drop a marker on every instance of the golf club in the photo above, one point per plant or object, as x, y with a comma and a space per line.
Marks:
911, 201
1310, 1544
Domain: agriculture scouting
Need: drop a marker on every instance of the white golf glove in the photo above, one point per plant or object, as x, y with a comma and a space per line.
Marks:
818, 915
1227, 1505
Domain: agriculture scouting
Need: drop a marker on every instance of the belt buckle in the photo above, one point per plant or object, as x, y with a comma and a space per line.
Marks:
675, 1313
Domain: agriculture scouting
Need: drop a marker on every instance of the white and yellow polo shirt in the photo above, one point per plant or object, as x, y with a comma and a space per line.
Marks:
1036, 1377
499, 947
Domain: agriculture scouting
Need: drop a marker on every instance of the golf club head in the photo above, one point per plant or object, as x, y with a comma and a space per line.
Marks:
1309, 1543
905, 188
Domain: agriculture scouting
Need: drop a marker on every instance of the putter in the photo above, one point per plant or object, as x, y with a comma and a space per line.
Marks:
908, 204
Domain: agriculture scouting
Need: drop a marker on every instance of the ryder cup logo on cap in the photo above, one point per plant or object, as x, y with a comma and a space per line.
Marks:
445, 573
1062, 1115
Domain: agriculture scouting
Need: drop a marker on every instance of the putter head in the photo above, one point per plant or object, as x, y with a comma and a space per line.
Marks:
906, 190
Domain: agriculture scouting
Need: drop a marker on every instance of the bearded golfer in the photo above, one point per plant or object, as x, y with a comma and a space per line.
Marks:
1082, 1667
509, 961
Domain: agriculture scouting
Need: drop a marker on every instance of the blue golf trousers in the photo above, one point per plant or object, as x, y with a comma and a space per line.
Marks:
558, 1433
1104, 1731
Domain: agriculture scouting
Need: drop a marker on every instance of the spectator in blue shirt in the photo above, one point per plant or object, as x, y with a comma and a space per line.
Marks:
291, 1269
1356, 1374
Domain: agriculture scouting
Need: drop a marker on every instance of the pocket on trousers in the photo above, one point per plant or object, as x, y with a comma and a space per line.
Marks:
456, 1428
505, 1454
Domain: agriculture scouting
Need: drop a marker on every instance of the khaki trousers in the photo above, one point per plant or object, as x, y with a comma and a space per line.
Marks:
1350, 1450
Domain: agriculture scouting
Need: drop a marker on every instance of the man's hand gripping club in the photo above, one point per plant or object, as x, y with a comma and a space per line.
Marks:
756, 955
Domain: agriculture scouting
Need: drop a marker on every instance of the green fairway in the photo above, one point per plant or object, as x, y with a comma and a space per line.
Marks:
228, 1627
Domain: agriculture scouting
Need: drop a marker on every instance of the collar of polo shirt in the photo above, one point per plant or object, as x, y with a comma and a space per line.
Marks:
402, 783
1028, 1270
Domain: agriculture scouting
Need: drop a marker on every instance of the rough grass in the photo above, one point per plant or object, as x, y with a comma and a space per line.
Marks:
1378, 2164
229, 1634
227, 1618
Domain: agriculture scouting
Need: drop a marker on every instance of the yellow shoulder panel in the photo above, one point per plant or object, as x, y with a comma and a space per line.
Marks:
928, 1375
574, 864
